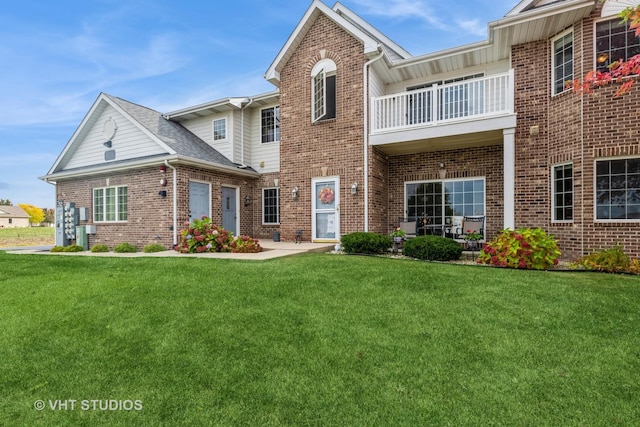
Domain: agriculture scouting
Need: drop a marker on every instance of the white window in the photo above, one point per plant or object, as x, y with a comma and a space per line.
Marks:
110, 204
562, 192
562, 61
323, 90
618, 189
220, 129
614, 41
436, 200
270, 206
270, 124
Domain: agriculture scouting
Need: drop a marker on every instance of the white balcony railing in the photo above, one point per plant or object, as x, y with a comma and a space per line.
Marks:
439, 104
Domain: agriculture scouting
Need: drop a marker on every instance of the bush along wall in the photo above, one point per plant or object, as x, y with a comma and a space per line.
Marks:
362, 242
525, 248
203, 236
432, 248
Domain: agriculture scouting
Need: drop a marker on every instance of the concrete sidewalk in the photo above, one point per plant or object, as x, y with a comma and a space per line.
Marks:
270, 250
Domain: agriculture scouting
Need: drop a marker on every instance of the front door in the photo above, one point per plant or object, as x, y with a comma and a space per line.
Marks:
326, 209
199, 198
229, 209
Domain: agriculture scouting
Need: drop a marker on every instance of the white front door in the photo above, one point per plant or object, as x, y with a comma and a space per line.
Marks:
326, 209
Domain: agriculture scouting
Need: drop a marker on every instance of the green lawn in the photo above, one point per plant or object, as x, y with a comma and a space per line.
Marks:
316, 340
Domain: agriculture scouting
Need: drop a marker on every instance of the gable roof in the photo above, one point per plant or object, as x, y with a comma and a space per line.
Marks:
13, 212
372, 39
174, 140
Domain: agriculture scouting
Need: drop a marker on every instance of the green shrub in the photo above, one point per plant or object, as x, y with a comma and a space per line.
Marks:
73, 248
526, 248
611, 260
153, 247
57, 249
362, 242
432, 248
203, 236
124, 247
100, 248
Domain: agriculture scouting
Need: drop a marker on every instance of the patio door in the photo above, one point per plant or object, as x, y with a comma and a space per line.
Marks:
326, 209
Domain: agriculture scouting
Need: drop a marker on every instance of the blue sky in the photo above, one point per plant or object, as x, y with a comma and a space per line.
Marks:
59, 55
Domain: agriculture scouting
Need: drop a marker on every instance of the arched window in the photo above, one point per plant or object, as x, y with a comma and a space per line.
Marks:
323, 90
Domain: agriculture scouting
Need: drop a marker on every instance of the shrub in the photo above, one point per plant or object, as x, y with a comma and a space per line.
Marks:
57, 249
362, 242
526, 248
73, 248
203, 236
432, 248
100, 248
153, 247
611, 260
124, 247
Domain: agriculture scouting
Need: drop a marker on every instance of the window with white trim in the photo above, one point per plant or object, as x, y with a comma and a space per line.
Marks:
562, 192
614, 41
270, 206
270, 124
562, 61
110, 204
436, 200
323, 90
618, 189
219, 129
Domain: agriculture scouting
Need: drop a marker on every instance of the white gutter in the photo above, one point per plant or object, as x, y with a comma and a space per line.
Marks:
365, 72
175, 202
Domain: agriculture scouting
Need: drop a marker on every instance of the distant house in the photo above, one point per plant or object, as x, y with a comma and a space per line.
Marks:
359, 133
13, 216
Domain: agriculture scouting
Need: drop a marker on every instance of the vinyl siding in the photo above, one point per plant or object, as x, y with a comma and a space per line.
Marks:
203, 128
129, 142
269, 153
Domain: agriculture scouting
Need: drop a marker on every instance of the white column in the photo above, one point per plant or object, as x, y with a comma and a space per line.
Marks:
509, 166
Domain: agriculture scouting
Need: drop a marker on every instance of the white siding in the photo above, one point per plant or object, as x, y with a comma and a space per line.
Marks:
267, 154
237, 137
202, 127
488, 69
129, 142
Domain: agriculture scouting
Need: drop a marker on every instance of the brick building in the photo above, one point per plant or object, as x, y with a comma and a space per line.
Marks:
359, 133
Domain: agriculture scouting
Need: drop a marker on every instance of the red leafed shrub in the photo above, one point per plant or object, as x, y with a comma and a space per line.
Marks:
525, 248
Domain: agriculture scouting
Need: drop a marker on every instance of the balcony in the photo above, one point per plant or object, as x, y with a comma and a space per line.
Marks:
465, 107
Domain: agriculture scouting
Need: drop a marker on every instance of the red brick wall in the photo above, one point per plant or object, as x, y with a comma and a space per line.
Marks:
150, 217
337, 145
573, 128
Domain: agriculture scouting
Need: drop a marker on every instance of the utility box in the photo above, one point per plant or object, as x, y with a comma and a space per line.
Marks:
66, 222
81, 237
91, 229
83, 214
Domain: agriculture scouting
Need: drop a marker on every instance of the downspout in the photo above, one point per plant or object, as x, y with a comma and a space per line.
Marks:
365, 72
175, 202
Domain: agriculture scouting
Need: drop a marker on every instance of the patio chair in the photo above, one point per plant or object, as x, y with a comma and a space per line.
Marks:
409, 228
473, 225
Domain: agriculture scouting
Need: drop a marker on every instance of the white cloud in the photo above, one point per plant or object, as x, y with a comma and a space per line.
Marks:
472, 26
402, 9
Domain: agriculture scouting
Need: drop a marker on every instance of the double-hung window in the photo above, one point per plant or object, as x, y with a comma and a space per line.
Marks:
270, 206
323, 90
110, 204
618, 189
562, 188
614, 41
562, 61
270, 124
220, 129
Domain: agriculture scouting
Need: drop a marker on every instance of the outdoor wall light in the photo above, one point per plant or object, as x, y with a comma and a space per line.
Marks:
294, 193
107, 144
442, 171
354, 188
247, 200
276, 181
